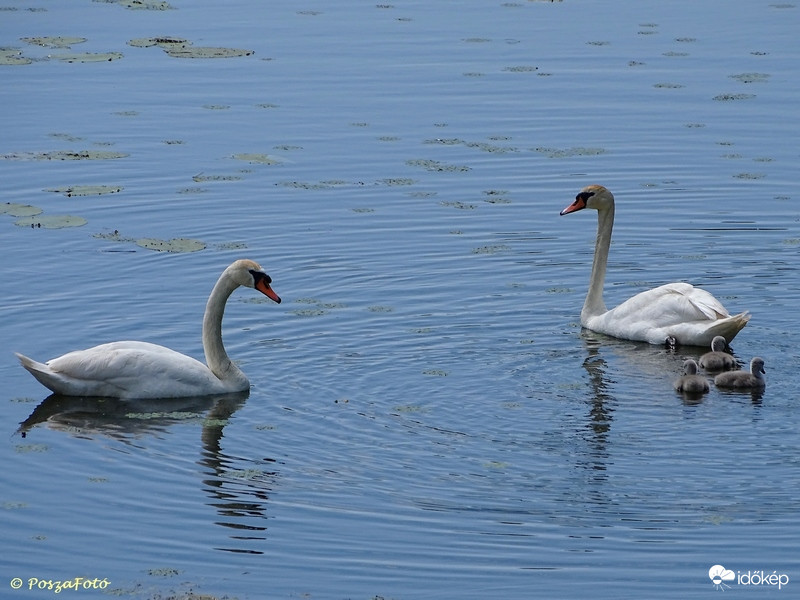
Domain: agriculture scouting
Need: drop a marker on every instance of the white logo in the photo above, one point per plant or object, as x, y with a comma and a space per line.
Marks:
719, 575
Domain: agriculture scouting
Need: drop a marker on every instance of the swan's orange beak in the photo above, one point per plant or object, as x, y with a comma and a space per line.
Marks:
263, 287
579, 204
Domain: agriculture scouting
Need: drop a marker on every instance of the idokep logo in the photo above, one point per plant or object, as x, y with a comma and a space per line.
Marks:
719, 576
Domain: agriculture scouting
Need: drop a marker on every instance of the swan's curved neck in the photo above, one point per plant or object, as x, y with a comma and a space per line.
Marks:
594, 304
216, 357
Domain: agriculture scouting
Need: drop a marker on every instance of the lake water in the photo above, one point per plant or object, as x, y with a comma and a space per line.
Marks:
427, 419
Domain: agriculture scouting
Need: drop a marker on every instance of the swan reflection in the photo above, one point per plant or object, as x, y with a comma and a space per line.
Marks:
238, 494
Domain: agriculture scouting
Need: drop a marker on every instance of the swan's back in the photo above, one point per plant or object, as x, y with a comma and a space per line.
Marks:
126, 369
678, 310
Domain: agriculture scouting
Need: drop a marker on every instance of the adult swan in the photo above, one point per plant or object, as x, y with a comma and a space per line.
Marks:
672, 313
143, 370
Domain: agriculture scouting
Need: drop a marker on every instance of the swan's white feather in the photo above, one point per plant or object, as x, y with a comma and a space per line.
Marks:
679, 310
131, 369
126, 369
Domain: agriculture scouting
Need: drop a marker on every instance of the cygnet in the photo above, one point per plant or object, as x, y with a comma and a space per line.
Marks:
756, 378
691, 382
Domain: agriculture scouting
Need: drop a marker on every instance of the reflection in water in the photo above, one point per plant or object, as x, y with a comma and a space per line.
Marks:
238, 495
600, 415
121, 420
756, 394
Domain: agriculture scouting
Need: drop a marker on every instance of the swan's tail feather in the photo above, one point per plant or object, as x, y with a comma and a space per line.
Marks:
729, 327
40, 371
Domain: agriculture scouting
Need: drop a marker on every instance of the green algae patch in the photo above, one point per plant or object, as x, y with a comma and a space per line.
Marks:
58, 41
174, 245
261, 159
85, 57
51, 221
163, 41
202, 177
751, 77
733, 97
66, 155
86, 190
569, 152
19, 210
13, 56
207, 52
436, 166
183, 48
140, 4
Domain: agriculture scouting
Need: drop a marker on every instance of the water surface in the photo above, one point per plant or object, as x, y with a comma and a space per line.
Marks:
427, 418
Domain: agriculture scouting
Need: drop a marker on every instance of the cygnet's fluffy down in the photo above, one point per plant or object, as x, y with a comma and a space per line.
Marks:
756, 378
691, 382
717, 359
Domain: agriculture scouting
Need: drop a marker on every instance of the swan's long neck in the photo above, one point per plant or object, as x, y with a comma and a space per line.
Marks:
216, 357
594, 304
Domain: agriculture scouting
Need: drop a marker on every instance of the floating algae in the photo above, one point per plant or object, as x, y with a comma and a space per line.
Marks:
51, 221
182, 48
207, 52
568, 152
19, 210
54, 41
84, 57
263, 159
86, 190
66, 155
13, 56
173, 245
140, 4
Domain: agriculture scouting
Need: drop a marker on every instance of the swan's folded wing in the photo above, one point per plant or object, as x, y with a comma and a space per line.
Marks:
122, 370
706, 303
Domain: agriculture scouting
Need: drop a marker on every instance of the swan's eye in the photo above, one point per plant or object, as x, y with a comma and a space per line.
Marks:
584, 196
259, 275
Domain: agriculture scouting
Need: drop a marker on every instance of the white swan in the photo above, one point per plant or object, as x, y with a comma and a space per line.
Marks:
144, 370
717, 359
675, 312
756, 378
691, 382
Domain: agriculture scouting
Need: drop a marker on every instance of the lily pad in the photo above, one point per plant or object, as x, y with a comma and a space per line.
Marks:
86, 190
173, 245
51, 221
19, 210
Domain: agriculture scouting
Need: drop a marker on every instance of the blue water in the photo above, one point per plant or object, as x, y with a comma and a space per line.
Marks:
427, 418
